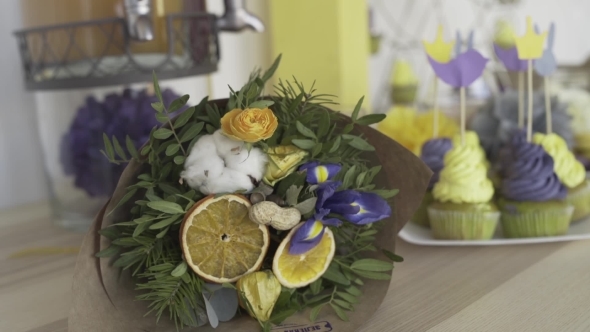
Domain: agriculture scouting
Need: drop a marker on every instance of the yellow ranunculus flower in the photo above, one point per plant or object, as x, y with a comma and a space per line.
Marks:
250, 125
283, 161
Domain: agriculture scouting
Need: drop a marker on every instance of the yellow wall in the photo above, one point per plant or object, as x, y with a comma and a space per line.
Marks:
326, 41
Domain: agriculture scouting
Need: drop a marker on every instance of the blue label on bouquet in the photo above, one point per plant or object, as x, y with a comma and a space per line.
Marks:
323, 326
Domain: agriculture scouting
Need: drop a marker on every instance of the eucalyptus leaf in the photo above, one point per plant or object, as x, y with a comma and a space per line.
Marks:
124, 199
131, 147
353, 291
347, 297
184, 117
335, 145
110, 152
357, 109
316, 286
334, 274
179, 160
303, 130
307, 205
304, 144
162, 233
193, 130
211, 315
157, 87
145, 150
225, 303
166, 207
162, 133
164, 223
392, 256
178, 103
139, 229
348, 176
279, 317
172, 149
341, 314
162, 117
179, 270
214, 115
373, 275
361, 144
271, 70
292, 195
315, 311
343, 304
371, 119
158, 106
112, 250
119, 149
262, 104
386, 193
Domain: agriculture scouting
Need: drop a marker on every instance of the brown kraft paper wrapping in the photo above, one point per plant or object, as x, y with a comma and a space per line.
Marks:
104, 297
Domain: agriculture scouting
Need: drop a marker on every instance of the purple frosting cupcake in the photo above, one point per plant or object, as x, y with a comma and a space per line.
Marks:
533, 203
432, 154
530, 176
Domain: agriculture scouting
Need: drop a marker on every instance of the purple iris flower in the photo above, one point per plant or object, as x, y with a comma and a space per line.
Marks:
119, 114
318, 174
360, 208
310, 234
326, 191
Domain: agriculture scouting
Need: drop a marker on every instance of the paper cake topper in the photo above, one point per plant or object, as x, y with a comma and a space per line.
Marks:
530, 45
439, 50
546, 64
459, 42
509, 58
462, 70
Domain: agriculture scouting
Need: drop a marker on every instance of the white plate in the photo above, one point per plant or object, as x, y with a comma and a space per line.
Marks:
417, 234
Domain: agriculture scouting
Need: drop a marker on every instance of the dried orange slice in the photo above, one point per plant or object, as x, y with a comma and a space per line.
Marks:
220, 242
294, 271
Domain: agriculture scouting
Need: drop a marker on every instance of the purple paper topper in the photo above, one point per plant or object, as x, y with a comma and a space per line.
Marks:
509, 58
459, 42
462, 70
546, 64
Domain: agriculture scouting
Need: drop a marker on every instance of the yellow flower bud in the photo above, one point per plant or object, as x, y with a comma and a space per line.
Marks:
283, 161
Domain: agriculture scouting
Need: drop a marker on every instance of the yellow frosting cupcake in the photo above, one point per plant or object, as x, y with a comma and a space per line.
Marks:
570, 172
462, 209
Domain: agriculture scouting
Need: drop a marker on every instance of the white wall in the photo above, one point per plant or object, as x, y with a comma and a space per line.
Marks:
22, 177
404, 23
21, 172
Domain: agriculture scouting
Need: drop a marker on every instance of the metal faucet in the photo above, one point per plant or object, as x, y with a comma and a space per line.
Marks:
237, 18
139, 19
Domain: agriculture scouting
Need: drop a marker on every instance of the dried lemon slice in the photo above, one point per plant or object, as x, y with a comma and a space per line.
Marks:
294, 271
220, 242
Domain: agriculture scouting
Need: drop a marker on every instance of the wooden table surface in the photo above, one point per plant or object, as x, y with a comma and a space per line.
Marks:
544, 287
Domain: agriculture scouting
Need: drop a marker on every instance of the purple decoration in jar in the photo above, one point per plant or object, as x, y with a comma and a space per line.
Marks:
129, 113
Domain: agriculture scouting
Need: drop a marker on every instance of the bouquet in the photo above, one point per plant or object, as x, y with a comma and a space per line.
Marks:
249, 213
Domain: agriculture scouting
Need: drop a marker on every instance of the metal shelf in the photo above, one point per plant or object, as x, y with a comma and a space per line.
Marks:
61, 57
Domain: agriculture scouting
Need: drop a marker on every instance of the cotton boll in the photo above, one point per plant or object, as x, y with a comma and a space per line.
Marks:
202, 149
202, 170
229, 181
225, 145
251, 163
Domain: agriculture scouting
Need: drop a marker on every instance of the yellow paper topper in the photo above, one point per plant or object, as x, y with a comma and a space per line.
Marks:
438, 50
530, 46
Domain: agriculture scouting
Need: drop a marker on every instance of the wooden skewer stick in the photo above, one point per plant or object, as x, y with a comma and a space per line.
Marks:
520, 99
435, 110
462, 102
529, 132
548, 106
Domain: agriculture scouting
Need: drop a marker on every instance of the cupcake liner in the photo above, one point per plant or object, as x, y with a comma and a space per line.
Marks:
580, 200
462, 225
537, 223
421, 215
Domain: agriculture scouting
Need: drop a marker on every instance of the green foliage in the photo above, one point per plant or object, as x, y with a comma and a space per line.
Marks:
147, 242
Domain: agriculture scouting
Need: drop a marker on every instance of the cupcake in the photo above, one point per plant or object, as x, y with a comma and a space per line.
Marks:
533, 196
570, 172
432, 154
462, 207
404, 83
